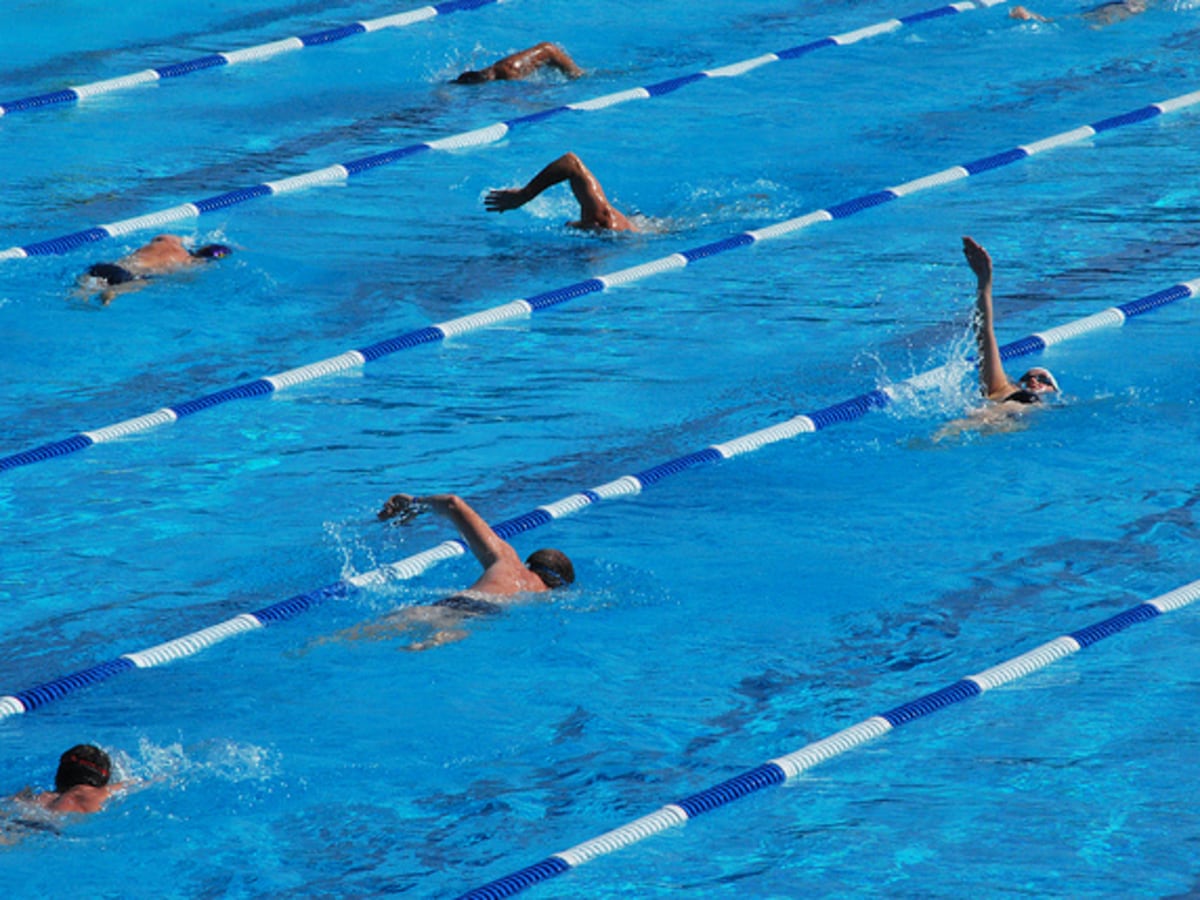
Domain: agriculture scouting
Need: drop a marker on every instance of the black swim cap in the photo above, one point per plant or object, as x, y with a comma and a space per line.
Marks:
552, 566
212, 251
82, 764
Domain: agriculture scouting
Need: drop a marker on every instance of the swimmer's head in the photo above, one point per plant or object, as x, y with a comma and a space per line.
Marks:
212, 251
552, 566
82, 764
1039, 380
471, 77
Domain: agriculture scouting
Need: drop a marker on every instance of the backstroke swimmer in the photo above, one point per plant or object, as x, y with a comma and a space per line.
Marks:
163, 255
505, 577
1008, 398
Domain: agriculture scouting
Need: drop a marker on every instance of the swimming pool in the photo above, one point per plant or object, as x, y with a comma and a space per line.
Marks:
728, 615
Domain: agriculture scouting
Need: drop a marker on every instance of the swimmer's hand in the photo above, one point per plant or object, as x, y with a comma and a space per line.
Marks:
505, 198
404, 507
978, 259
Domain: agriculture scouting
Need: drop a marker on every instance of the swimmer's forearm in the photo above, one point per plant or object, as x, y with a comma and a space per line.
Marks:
483, 542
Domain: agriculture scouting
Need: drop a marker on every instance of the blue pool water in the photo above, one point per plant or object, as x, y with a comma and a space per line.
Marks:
728, 615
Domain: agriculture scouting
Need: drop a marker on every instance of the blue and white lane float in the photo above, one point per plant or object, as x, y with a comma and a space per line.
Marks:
477, 137
230, 58
524, 307
625, 486
784, 768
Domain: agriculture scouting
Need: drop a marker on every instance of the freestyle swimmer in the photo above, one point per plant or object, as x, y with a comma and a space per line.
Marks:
523, 64
163, 255
505, 577
81, 784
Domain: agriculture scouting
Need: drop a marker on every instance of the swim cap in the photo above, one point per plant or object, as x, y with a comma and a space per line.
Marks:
552, 566
82, 764
212, 251
1042, 375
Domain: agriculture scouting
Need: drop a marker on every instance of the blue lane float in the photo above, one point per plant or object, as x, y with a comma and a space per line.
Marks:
525, 307
249, 54
786, 768
624, 486
477, 137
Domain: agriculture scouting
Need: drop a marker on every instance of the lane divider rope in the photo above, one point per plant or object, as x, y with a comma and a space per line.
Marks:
785, 768
625, 486
525, 307
248, 54
477, 137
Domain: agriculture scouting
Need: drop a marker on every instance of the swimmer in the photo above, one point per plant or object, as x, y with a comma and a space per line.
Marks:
523, 64
595, 212
1097, 16
1007, 398
1025, 15
504, 575
163, 255
81, 784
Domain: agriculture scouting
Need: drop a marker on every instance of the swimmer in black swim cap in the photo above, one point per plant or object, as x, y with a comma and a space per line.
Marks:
163, 255
82, 783
212, 251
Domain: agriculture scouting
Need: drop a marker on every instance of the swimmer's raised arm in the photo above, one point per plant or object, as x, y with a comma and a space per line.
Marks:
991, 369
594, 209
567, 166
524, 63
487, 546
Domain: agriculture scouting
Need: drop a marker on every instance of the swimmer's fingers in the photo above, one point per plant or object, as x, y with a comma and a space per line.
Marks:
415, 509
404, 508
501, 200
395, 506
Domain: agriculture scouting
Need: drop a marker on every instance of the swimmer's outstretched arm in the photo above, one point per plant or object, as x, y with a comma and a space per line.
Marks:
991, 370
